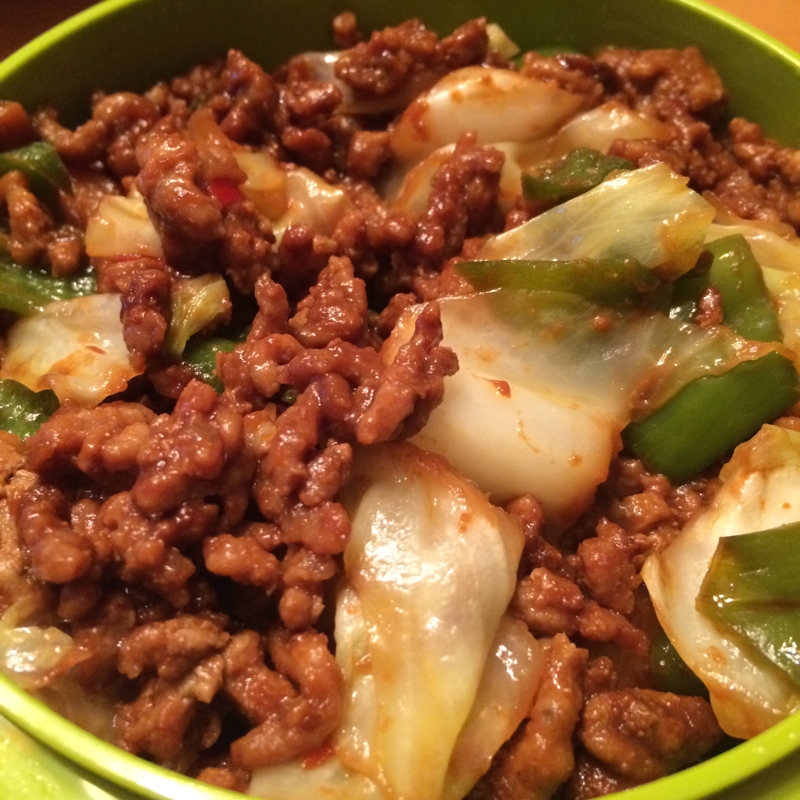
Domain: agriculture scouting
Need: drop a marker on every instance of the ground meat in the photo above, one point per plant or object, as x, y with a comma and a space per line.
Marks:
548, 604
16, 127
191, 542
168, 169
642, 734
126, 117
540, 757
187, 452
462, 200
287, 721
102, 443
167, 721
170, 648
666, 81
58, 553
83, 146
334, 309
593, 779
145, 288
254, 93
31, 224
243, 558
575, 73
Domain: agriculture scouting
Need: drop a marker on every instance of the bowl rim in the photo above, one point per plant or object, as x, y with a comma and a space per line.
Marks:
148, 780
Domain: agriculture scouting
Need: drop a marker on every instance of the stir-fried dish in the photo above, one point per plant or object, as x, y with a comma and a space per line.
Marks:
414, 421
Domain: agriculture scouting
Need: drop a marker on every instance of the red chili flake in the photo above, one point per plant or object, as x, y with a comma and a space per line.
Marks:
224, 191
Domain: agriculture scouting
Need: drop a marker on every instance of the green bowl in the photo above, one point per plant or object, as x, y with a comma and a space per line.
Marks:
130, 44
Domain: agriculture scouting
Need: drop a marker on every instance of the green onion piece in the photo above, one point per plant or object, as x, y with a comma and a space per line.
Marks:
751, 589
576, 173
708, 417
201, 356
22, 410
42, 166
670, 672
25, 291
609, 281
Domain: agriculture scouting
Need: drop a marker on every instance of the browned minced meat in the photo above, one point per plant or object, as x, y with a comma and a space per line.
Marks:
642, 734
540, 756
191, 541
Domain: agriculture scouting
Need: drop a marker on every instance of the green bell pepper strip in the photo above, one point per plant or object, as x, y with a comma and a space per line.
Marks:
25, 291
200, 355
747, 306
577, 172
751, 589
670, 672
42, 166
617, 282
711, 415
22, 410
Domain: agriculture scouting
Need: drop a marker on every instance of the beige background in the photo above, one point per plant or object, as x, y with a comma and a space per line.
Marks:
21, 20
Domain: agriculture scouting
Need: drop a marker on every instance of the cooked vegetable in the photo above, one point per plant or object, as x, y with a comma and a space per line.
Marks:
195, 303
25, 291
577, 172
121, 226
648, 214
751, 589
689, 433
499, 105
23, 411
709, 417
201, 355
42, 166
616, 282
430, 567
540, 398
747, 305
425, 545
749, 693
669, 670
74, 347
28, 653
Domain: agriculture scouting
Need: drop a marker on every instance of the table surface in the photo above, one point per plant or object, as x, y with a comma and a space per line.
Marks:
21, 20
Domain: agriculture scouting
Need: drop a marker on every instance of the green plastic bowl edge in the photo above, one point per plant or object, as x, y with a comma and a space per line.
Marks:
776, 76
96, 756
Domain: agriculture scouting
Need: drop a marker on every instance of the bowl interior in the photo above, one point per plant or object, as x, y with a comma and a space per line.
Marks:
130, 44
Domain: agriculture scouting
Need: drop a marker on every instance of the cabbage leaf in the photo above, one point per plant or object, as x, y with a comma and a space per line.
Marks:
430, 569
748, 694
74, 347
648, 214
